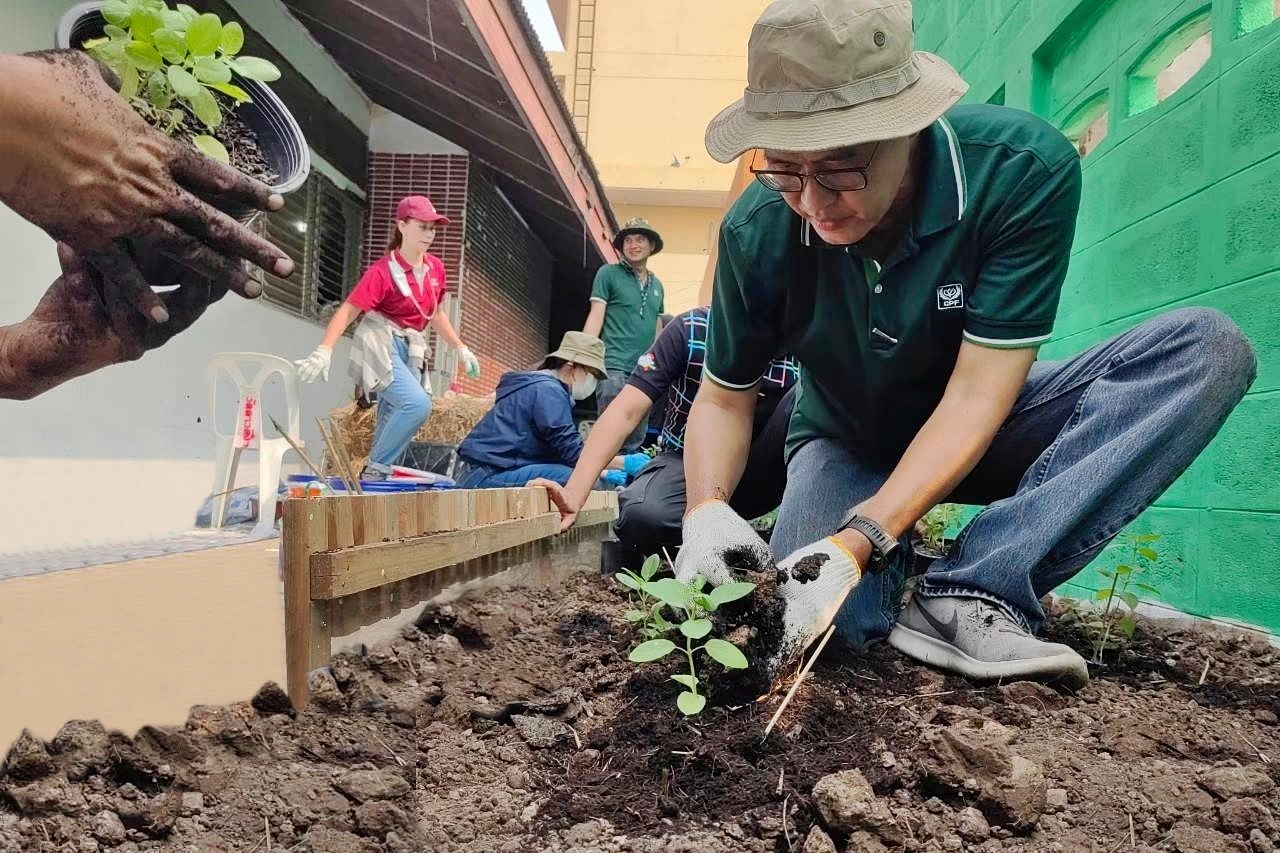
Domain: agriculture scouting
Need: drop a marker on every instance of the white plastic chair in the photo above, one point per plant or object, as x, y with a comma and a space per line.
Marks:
249, 372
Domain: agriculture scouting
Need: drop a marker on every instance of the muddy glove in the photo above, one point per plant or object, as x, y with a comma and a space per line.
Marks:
717, 543
469, 362
814, 582
316, 365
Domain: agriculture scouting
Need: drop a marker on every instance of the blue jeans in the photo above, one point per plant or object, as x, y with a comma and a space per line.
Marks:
403, 407
611, 386
1091, 442
472, 476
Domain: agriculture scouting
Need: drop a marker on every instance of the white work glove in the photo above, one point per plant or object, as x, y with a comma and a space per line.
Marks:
716, 543
819, 577
469, 362
316, 365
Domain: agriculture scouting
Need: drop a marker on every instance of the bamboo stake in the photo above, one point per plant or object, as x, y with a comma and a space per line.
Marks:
346, 458
792, 692
298, 450
337, 463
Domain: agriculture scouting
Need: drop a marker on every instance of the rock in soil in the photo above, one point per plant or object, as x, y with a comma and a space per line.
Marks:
435, 744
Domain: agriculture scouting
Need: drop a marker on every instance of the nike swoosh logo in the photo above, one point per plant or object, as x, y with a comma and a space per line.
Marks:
947, 630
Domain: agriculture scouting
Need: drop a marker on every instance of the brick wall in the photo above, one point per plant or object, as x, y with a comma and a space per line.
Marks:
506, 286
441, 178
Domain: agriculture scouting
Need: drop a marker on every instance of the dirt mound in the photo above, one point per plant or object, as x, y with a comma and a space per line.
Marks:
512, 722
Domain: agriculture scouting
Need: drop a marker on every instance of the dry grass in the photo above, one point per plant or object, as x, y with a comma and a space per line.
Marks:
452, 417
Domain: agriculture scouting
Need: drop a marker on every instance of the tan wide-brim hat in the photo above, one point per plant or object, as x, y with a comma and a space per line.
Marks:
827, 74
581, 348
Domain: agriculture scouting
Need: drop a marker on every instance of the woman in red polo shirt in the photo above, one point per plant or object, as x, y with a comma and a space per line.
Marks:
398, 297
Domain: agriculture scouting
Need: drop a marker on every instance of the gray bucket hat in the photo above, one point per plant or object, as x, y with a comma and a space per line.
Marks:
581, 348
824, 74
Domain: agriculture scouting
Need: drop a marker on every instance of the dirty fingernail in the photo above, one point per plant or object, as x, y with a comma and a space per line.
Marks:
159, 314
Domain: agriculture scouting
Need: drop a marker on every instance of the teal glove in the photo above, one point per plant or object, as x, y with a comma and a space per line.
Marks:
614, 477
634, 463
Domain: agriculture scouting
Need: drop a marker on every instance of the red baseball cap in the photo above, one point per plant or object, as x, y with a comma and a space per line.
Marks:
419, 207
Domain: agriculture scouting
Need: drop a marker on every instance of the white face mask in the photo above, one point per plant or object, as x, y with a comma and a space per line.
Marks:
584, 387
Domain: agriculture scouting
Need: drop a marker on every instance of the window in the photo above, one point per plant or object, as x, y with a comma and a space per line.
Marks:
1087, 125
319, 227
1173, 61
1252, 14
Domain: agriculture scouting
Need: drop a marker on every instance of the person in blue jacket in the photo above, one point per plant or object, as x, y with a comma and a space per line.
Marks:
530, 433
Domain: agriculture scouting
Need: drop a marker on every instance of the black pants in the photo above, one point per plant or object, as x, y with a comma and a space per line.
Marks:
650, 509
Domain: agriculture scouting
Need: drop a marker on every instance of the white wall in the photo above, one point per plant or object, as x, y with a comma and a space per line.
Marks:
126, 453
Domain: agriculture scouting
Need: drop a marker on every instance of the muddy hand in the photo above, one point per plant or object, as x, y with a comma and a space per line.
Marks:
78, 162
813, 583
84, 323
718, 543
560, 499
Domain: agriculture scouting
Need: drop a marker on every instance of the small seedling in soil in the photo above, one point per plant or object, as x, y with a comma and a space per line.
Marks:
1117, 600
174, 63
692, 604
647, 615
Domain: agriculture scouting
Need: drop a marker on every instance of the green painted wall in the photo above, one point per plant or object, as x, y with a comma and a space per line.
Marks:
1181, 206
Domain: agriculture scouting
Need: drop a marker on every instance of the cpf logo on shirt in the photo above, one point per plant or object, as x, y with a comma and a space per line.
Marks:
950, 296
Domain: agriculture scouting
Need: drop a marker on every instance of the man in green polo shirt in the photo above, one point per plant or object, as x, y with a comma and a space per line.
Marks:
911, 255
626, 310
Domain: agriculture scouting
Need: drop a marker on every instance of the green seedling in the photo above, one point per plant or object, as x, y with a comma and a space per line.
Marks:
692, 603
171, 59
647, 612
936, 523
1116, 603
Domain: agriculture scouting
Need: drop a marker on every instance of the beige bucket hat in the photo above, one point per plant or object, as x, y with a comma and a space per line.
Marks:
581, 348
825, 74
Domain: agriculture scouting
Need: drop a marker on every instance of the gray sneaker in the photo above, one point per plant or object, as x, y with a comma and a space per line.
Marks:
980, 641
372, 473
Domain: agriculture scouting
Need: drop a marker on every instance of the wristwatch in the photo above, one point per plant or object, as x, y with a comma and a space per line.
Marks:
882, 544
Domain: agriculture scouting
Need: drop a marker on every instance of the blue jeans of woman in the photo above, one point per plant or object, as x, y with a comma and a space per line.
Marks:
1090, 443
403, 407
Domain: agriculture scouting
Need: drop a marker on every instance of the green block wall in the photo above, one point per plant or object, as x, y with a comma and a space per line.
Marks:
1181, 206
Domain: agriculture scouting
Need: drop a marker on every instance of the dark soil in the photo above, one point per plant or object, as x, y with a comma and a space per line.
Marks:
235, 135
511, 721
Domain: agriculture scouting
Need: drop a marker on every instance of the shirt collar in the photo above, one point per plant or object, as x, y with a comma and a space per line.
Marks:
400, 259
943, 189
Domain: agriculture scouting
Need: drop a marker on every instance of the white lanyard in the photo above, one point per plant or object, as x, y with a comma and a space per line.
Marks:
402, 285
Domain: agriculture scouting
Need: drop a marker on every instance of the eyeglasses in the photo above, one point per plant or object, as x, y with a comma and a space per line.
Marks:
835, 180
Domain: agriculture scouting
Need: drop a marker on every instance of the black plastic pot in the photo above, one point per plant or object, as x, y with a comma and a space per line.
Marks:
279, 137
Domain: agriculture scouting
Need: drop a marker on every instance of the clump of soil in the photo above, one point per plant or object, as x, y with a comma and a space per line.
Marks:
511, 721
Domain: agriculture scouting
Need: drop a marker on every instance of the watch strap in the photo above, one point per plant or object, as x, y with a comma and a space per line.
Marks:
882, 544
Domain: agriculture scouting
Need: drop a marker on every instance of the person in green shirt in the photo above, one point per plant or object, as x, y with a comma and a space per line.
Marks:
911, 253
626, 312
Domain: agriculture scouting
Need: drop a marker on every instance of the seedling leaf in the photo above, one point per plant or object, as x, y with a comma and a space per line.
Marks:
183, 83
210, 70
651, 650
211, 147
695, 629
731, 592
669, 591
726, 653
255, 68
691, 703
1148, 553
232, 38
204, 34
205, 108
233, 91
686, 679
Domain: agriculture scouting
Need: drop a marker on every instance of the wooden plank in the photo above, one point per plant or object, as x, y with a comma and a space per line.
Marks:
374, 510
306, 624
338, 573
341, 525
